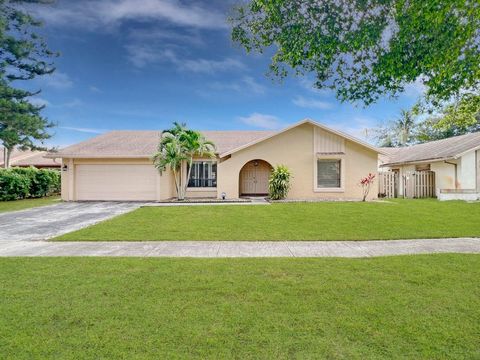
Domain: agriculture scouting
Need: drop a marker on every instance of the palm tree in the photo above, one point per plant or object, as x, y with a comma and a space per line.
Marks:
405, 125
399, 132
177, 148
170, 155
195, 144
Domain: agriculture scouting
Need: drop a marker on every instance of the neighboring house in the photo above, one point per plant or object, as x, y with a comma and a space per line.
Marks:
455, 162
20, 158
325, 163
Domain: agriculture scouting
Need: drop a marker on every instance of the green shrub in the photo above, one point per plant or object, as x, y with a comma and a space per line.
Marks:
45, 182
279, 182
20, 183
13, 186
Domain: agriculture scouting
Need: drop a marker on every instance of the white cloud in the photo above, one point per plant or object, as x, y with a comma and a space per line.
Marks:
309, 84
246, 85
263, 121
96, 14
209, 66
142, 55
253, 85
415, 89
358, 126
37, 101
162, 36
311, 103
84, 130
73, 103
57, 80
94, 89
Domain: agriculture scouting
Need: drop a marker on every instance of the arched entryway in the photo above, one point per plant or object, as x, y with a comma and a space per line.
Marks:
254, 177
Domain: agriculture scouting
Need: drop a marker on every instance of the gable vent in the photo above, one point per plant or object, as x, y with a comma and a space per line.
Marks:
328, 143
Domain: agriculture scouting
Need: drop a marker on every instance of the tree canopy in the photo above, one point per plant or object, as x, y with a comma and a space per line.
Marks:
366, 49
23, 56
422, 123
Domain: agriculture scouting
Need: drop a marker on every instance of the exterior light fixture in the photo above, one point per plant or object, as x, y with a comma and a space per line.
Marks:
65, 167
223, 195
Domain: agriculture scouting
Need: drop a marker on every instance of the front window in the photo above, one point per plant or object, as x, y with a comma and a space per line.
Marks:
328, 173
203, 175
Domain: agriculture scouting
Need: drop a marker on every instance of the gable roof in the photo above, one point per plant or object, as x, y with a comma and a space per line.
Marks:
144, 143
305, 121
28, 158
438, 150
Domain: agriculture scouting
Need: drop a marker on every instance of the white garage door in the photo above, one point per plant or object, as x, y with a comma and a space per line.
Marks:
116, 182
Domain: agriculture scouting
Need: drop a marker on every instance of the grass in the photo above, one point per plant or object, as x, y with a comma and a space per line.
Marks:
399, 219
6, 206
416, 307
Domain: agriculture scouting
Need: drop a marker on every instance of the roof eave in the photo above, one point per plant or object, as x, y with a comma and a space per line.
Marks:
96, 156
413, 162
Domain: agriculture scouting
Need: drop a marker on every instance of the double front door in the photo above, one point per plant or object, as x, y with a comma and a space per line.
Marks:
254, 178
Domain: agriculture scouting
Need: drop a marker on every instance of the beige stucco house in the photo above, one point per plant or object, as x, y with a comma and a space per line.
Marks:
325, 163
455, 163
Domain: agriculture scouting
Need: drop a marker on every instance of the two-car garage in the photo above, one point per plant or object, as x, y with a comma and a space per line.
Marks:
131, 182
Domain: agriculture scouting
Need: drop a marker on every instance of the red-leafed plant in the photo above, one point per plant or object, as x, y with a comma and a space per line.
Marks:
366, 184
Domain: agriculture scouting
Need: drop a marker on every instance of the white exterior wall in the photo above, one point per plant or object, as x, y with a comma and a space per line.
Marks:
445, 176
467, 171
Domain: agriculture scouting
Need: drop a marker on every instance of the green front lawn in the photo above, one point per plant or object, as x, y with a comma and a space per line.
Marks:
399, 219
6, 206
410, 307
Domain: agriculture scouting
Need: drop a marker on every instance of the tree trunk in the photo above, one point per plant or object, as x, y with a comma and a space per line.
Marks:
177, 187
7, 153
188, 176
180, 192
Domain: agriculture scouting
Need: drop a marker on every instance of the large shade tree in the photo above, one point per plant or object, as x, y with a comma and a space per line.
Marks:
23, 56
176, 151
366, 49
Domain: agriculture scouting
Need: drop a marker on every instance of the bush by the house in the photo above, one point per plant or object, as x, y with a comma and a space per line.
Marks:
22, 183
279, 183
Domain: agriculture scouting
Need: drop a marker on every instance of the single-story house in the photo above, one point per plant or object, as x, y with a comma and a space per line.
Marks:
455, 162
325, 163
26, 158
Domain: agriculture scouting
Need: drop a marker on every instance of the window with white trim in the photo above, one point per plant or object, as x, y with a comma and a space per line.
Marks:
329, 173
203, 175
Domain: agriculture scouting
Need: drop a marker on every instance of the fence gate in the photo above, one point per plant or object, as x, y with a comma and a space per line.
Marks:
419, 184
388, 184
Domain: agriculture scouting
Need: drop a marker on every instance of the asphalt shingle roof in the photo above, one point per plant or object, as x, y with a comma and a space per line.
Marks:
143, 143
29, 158
440, 149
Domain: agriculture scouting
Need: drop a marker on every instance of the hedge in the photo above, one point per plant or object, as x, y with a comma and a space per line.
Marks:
22, 183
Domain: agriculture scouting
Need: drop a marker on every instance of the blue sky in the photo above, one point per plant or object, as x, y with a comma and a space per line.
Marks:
130, 64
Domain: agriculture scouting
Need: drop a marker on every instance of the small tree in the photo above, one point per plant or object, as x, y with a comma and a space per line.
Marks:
176, 150
366, 184
279, 182
24, 56
21, 125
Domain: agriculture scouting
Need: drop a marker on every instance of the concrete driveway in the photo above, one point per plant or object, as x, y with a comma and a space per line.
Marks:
48, 221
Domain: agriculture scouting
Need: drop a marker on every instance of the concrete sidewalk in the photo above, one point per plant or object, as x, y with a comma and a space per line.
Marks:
224, 249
